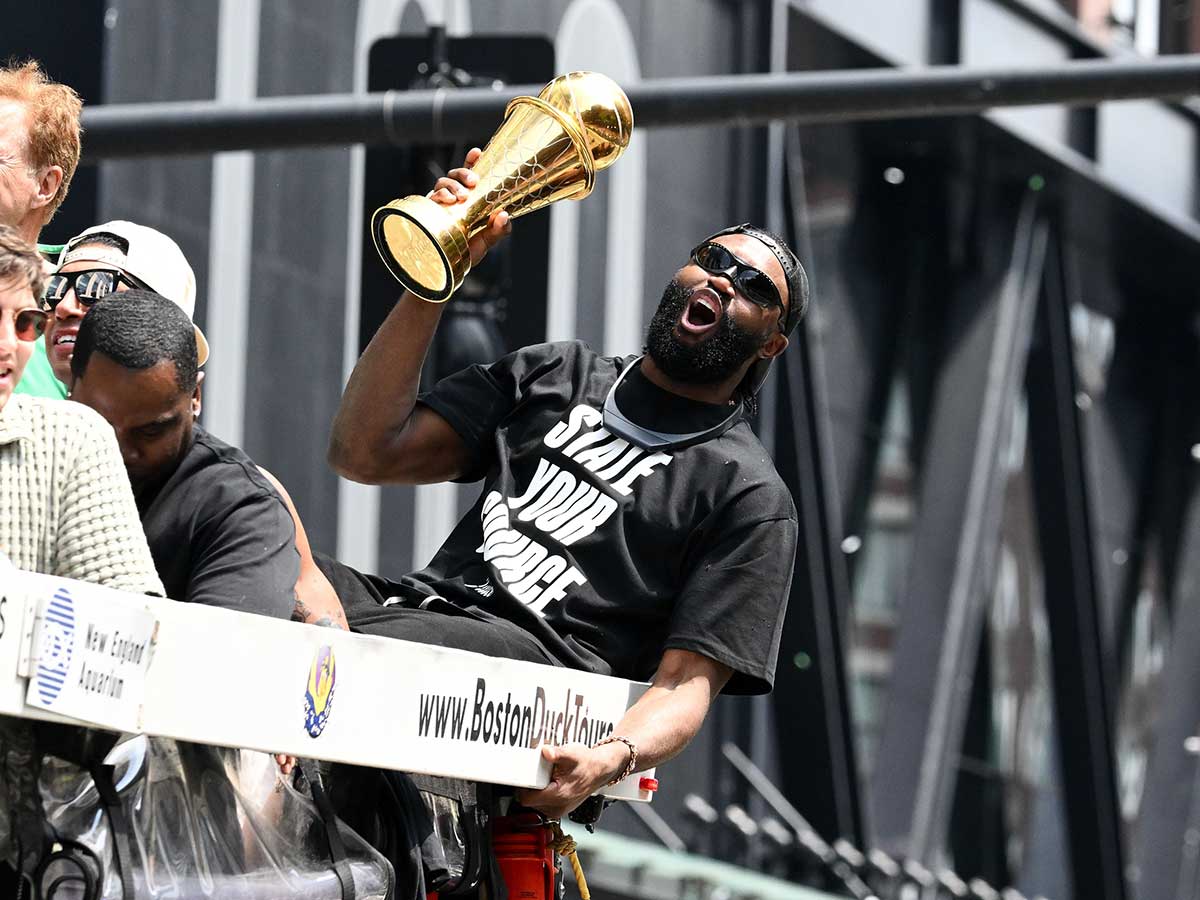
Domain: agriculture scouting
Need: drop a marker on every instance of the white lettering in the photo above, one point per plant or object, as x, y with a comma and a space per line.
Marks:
586, 522
508, 542
522, 564
585, 440
583, 496
545, 471
529, 588
516, 567
499, 512
559, 489
562, 505
498, 538
642, 467
598, 457
558, 589
578, 417
619, 466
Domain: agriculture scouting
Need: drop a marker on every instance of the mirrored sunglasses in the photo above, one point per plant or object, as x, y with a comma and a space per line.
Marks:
89, 285
755, 285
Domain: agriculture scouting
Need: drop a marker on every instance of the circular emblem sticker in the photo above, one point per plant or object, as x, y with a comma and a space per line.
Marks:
57, 645
318, 696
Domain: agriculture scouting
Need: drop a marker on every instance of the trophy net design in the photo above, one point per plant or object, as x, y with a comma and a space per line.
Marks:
548, 148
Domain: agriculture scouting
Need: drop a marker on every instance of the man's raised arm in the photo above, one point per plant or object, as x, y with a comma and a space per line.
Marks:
379, 434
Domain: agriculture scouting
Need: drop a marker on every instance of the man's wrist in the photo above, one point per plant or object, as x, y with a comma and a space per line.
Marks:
432, 308
625, 752
615, 758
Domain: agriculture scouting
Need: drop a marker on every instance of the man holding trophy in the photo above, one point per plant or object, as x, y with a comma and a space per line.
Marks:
630, 523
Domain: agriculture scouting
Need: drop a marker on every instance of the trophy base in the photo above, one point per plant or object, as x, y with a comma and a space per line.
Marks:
423, 246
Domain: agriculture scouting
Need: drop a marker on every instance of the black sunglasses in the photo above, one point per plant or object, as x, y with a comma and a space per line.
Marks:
755, 285
30, 323
89, 285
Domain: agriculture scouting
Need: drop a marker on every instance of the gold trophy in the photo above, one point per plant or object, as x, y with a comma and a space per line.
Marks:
548, 148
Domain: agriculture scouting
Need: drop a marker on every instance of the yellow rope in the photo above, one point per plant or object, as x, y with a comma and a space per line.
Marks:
564, 845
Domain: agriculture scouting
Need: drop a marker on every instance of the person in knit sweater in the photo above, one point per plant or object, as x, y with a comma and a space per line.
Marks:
66, 507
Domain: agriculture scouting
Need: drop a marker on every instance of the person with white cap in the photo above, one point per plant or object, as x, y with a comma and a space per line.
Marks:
104, 259
67, 507
241, 499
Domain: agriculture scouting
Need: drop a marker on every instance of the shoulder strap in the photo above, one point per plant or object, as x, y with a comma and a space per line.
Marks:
123, 853
337, 848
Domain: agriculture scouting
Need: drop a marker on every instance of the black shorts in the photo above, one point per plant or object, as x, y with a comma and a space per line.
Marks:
376, 605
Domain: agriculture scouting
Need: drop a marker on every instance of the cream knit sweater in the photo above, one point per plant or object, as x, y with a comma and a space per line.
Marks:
66, 507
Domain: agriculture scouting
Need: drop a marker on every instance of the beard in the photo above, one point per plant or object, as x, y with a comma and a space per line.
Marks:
709, 361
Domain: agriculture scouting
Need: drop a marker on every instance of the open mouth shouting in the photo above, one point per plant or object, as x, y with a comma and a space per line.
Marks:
701, 313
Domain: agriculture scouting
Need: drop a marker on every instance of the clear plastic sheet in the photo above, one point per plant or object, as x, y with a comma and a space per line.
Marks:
204, 822
451, 834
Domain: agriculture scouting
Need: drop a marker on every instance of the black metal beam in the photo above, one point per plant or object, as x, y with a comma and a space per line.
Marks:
403, 117
814, 727
1163, 853
945, 32
813, 722
1063, 26
956, 534
1082, 682
1059, 24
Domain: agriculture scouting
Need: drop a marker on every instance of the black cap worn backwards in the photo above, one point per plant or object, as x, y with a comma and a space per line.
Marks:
797, 284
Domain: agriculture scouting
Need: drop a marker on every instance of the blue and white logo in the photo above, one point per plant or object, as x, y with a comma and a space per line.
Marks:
56, 646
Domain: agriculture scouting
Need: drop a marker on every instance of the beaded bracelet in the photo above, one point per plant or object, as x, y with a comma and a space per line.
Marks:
633, 755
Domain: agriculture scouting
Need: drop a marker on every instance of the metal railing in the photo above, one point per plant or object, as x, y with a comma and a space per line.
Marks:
424, 117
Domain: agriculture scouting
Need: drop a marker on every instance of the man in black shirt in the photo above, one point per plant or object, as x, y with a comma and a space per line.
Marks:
630, 522
218, 531
114, 258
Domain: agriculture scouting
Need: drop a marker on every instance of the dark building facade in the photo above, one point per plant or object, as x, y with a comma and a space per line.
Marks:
988, 419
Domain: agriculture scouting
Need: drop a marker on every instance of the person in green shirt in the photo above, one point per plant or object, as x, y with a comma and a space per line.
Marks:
39, 380
39, 151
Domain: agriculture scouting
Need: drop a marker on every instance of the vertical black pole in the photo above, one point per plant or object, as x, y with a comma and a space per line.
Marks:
958, 529
815, 730
1082, 691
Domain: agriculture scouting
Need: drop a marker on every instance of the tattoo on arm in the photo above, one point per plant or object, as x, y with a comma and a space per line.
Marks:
301, 612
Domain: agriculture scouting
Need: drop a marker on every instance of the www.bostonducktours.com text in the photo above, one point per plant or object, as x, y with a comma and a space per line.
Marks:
494, 720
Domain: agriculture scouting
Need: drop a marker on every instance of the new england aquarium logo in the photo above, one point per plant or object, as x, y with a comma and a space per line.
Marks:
318, 697
55, 647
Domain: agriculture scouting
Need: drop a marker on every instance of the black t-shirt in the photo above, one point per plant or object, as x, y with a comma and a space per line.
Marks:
220, 534
609, 554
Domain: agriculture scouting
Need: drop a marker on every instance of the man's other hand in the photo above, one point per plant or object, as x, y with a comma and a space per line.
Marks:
454, 187
576, 772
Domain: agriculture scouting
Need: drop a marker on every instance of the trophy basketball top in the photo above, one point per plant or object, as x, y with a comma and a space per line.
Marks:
548, 148
599, 105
